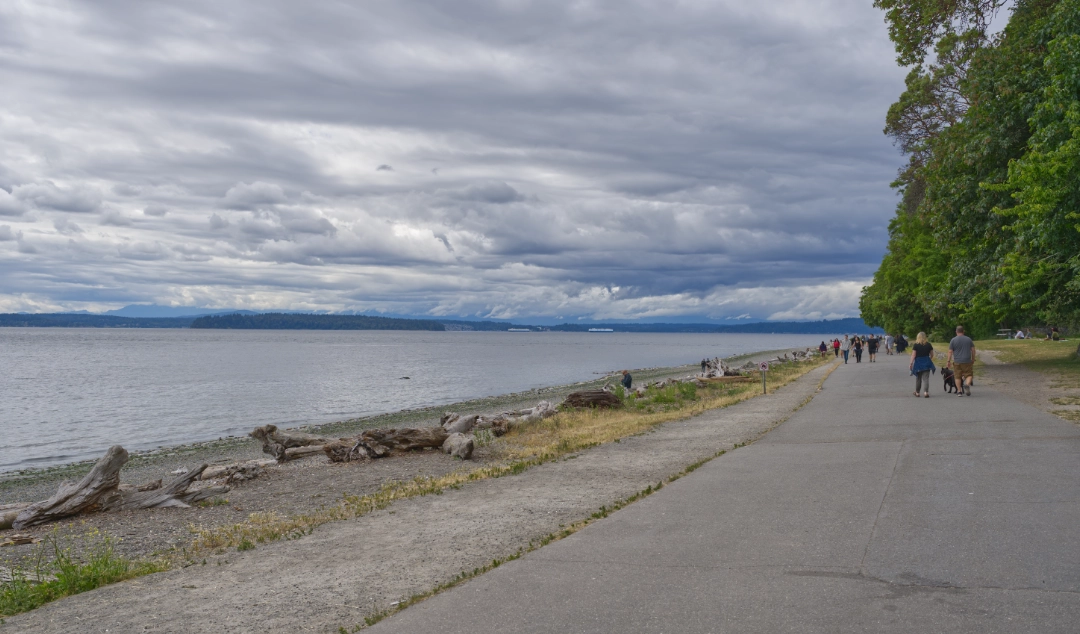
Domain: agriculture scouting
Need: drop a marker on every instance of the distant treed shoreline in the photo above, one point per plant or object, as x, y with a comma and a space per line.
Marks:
295, 321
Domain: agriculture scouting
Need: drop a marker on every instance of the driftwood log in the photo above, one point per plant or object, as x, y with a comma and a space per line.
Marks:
592, 398
8, 513
285, 446
378, 443
100, 490
459, 445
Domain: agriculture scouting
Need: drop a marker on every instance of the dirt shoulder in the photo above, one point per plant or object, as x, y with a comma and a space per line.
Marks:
1052, 392
346, 571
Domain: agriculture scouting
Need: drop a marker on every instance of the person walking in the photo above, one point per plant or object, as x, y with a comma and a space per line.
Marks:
703, 364
901, 344
846, 347
871, 347
836, 347
823, 349
888, 344
922, 364
858, 346
962, 360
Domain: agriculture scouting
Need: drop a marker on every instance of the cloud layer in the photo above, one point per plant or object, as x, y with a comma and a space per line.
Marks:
490, 159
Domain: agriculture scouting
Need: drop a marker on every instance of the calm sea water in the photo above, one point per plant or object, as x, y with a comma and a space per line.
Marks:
68, 394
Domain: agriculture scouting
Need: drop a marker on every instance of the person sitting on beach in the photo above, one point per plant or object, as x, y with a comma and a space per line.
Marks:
627, 380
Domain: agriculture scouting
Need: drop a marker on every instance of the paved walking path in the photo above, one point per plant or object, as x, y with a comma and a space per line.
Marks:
868, 511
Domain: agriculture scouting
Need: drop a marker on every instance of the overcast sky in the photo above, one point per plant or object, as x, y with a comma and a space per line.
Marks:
597, 160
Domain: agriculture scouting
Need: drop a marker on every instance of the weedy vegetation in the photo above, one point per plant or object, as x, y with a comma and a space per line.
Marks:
57, 572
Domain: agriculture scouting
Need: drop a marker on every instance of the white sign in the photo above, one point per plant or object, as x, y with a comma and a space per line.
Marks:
763, 366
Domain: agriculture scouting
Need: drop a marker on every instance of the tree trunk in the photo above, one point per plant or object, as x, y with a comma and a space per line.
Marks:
100, 490
72, 499
277, 443
8, 513
377, 443
459, 445
173, 495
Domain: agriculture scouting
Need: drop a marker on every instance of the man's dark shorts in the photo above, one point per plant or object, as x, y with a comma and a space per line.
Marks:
964, 370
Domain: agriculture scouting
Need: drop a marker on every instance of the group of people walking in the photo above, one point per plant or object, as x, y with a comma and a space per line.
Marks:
854, 344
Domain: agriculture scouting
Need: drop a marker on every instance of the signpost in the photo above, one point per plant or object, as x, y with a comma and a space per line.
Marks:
764, 367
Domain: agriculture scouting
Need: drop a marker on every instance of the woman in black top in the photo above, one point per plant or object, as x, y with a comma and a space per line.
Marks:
922, 364
858, 350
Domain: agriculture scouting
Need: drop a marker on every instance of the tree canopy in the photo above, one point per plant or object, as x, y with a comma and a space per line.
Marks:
987, 231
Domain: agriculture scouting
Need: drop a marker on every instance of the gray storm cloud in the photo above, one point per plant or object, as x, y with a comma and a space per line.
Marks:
599, 159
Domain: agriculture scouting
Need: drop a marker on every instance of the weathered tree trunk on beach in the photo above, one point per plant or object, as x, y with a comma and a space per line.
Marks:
378, 443
8, 513
172, 495
84, 496
459, 445
100, 490
277, 443
455, 424
592, 398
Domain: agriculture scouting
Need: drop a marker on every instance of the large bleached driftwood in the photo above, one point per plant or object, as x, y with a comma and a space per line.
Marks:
100, 490
278, 443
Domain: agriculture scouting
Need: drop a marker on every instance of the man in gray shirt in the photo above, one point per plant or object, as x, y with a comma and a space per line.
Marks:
962, 355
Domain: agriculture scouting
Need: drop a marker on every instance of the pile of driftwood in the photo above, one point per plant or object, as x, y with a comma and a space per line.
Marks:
100, 490
455, 435
715, 368
599, 399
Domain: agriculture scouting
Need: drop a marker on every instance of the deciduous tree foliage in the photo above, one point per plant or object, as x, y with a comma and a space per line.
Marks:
987, 232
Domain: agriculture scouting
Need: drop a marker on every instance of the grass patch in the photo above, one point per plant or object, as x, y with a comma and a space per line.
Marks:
1068, 414
576, 430
1055, 358
62, 574
1066, 400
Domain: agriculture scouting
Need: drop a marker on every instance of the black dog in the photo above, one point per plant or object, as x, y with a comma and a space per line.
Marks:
950, 380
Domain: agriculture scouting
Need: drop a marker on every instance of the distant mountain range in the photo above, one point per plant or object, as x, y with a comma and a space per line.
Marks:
306, 321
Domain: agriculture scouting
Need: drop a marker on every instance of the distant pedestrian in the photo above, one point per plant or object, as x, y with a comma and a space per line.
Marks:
846, 347
901, 344
922, 364
871, 347
823, 348
962, 360
888, 344
836, 347
627, 380
703, 364
858, 346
